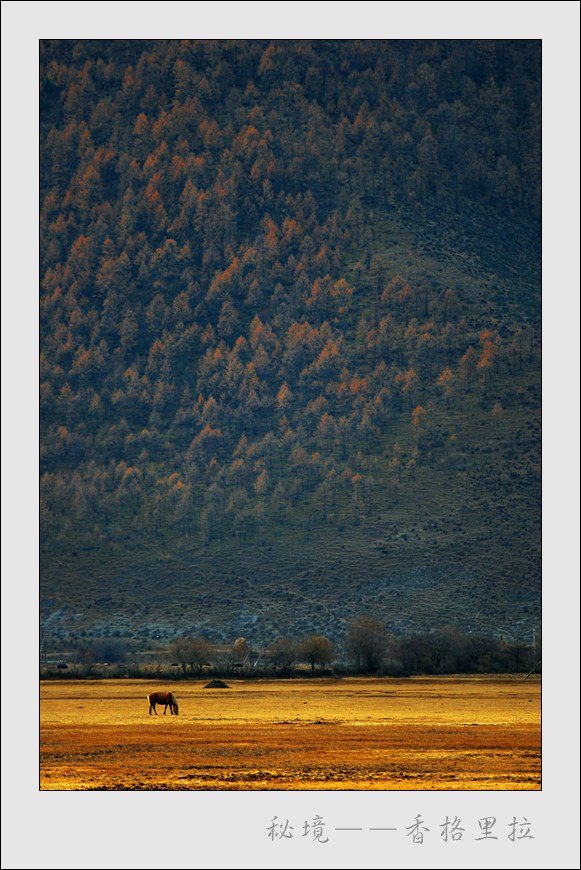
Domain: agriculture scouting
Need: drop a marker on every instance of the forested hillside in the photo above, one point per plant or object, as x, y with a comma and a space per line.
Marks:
290, 336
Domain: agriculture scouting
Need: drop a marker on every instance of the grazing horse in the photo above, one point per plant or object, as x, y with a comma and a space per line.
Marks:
168, 699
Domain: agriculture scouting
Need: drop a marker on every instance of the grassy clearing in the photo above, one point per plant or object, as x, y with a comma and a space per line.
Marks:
431, 733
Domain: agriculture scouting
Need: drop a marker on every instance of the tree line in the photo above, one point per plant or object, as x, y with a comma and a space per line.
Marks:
367, 648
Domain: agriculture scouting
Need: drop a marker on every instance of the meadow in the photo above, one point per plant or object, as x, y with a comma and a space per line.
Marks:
420, 733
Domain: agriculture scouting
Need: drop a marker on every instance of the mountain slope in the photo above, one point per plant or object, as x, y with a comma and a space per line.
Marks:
290, 314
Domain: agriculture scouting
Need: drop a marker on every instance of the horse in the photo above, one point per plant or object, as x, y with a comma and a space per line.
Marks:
168, 699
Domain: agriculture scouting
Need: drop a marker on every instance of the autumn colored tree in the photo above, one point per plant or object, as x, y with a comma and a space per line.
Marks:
408, 383
489, 360
420, 422
468, 365
446, 383
241, 649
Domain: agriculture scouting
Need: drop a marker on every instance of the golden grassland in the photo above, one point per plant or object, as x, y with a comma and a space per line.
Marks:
431, 733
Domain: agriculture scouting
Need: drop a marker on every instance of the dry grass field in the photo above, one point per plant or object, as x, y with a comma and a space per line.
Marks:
442, 733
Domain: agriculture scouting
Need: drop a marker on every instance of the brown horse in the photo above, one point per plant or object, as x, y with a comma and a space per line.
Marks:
168, 699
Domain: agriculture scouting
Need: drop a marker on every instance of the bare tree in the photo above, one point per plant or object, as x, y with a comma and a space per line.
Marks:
283, 653
191, 652
316, 650
366, 643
